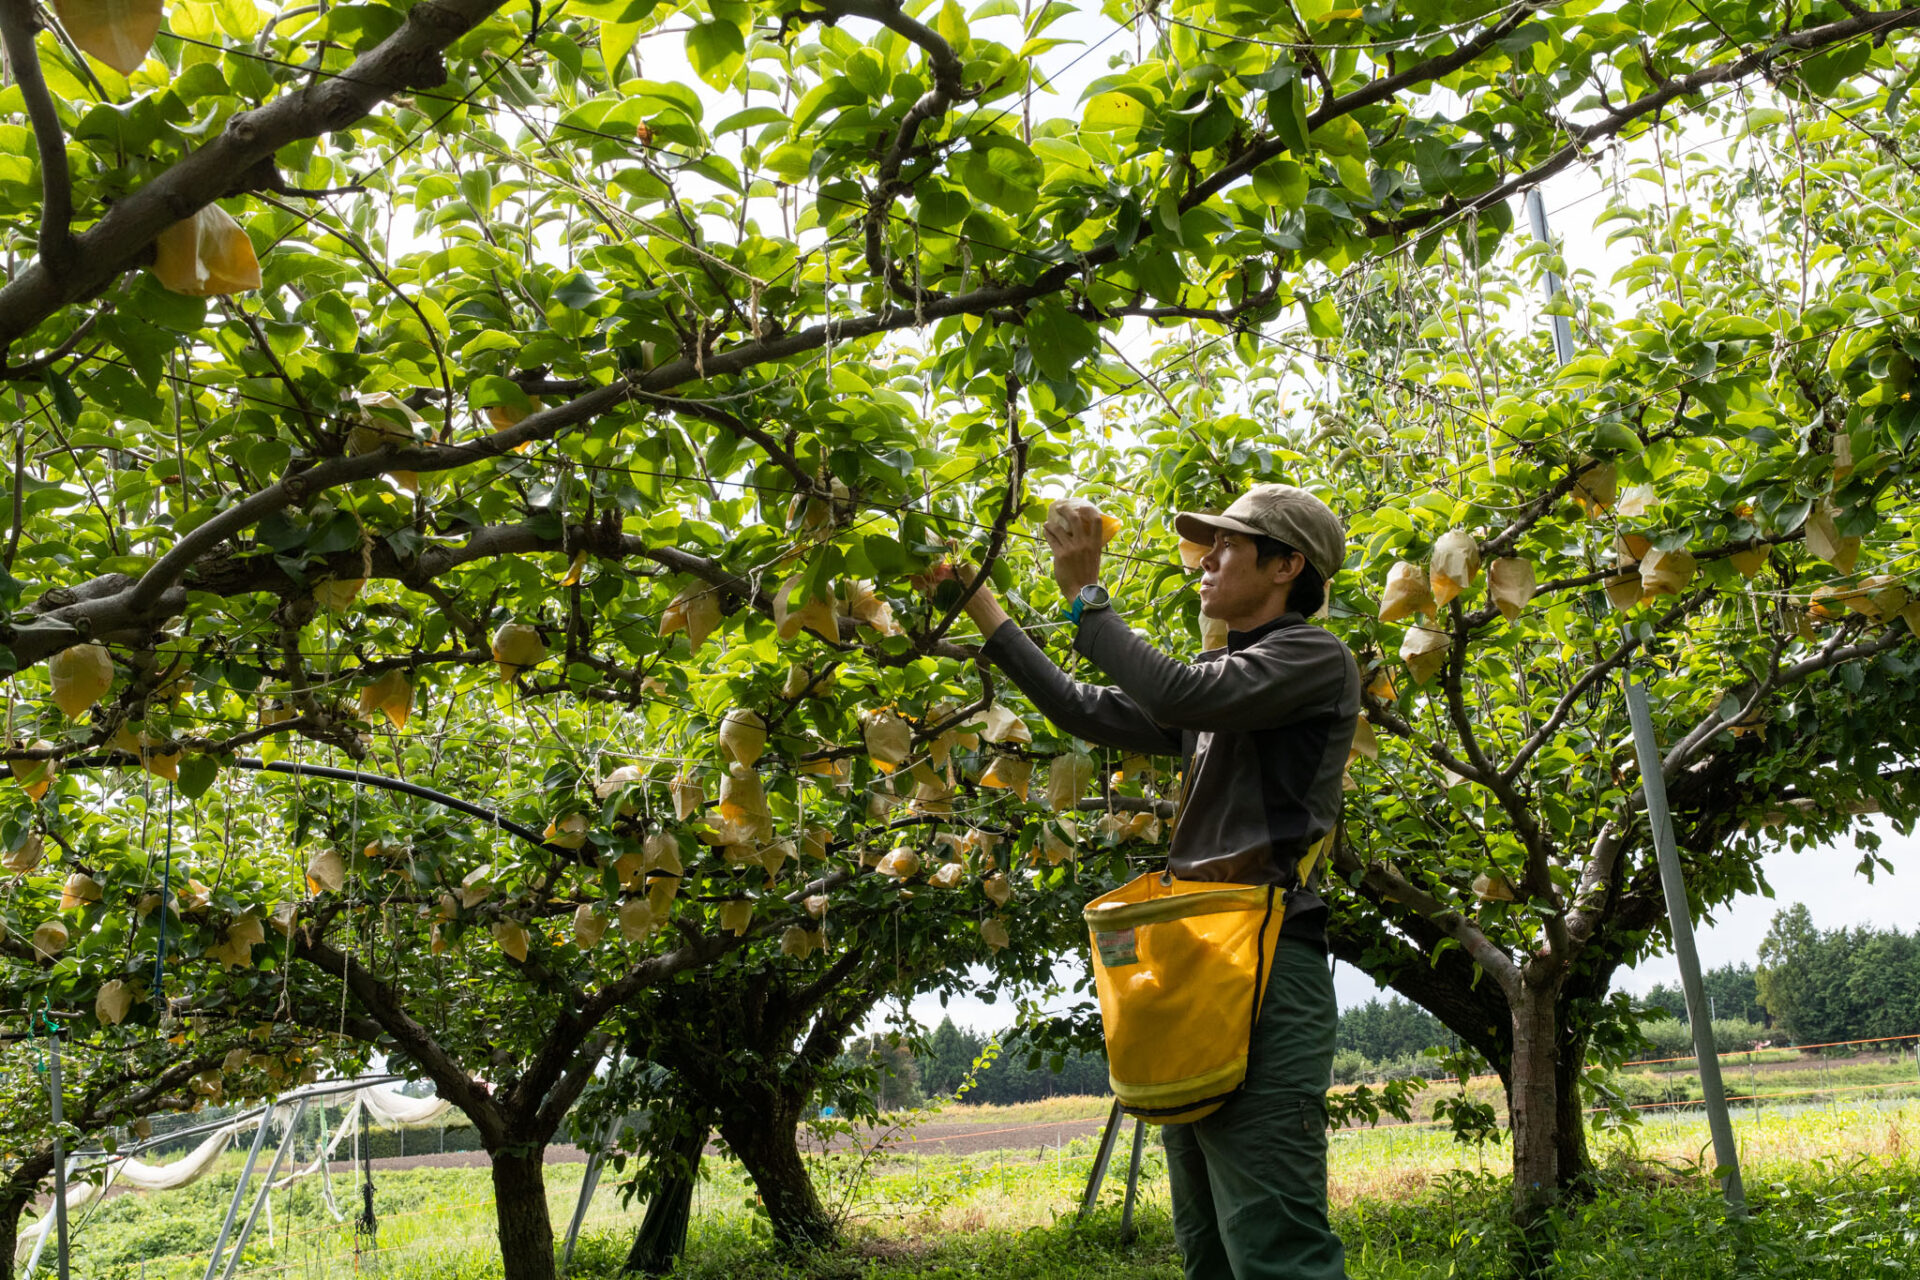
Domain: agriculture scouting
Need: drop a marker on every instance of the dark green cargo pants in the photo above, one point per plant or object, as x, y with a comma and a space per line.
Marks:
1250, 1180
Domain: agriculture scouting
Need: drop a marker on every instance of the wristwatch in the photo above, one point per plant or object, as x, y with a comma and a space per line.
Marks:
1093, 597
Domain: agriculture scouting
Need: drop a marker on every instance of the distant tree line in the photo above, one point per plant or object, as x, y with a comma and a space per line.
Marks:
1374, 1039
1823, 985
1732, 991
1385, 1032
1017, 1073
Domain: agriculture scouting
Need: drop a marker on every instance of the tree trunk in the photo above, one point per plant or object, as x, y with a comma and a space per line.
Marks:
1534, 1099
663, 1232
16, 1193
764, 1138
520, 1209
12, 1205
1574, 1162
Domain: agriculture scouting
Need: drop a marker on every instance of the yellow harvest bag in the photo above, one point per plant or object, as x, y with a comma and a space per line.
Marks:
1181, 968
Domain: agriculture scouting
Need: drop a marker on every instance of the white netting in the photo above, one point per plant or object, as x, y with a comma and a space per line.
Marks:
375, 1102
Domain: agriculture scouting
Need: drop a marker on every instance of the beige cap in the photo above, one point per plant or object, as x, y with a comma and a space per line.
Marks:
1281, 511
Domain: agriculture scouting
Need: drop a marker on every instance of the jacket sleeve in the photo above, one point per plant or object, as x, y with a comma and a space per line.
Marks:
1094, 712
1300, 671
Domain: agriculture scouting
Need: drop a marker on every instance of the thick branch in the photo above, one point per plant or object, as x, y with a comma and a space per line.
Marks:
384, 1006
1373, 91
17, 26
1808, 40
408, 59
1385, 883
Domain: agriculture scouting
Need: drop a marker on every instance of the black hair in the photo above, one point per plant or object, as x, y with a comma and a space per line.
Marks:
1309, 591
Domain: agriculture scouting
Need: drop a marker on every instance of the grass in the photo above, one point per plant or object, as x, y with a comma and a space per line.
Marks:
1836, 1189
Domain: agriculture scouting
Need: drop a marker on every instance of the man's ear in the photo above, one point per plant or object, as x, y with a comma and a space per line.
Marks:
1287, 568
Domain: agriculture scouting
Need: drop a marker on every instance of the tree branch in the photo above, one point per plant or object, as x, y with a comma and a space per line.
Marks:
948, 88
383, 1004
1384, 882
410, 58
1808, 40
17, 26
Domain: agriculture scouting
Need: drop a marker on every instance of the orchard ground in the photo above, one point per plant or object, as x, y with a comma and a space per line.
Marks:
1835, 1182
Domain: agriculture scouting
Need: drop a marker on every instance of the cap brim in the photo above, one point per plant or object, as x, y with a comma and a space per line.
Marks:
1196, 526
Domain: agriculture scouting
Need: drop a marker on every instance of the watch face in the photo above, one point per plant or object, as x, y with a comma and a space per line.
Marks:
1094, 596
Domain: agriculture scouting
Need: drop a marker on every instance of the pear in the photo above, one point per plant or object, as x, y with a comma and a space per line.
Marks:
695, 611
1067, 779
1510, 582
743, 736
569, 832
35, 776
511, 937
588, 927
900, 864
1454, 567
326, 872
516, 647
80, 674
1425, 652
111, 1003
736, 916
206, 255
889, 739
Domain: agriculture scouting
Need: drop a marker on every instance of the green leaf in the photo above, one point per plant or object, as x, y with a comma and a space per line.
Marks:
65, 402
1200, 129
197, 773
1342, 137
951, 24
1059, 341
867, 71
1323, 318
1287, 112
577, 292
616, 38
717, 50
1281, 183
1112, 110
1003, 172
750, 118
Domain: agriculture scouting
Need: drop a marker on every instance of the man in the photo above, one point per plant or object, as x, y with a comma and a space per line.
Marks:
1264, 726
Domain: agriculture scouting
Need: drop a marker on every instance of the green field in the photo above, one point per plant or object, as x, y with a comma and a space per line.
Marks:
1836, 1189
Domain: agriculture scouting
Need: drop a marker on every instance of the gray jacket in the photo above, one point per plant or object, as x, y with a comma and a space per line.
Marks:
1262, 727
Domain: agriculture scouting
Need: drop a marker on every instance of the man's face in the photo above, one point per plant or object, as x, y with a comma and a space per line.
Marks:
1236, 587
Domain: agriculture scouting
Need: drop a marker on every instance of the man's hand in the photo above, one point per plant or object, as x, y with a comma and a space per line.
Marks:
1076, 539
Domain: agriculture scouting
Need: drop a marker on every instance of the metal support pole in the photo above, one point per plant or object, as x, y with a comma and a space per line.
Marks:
590, 1180
1133, 1180
266, 1190
1562, 327
59, 1157
589, 1183
246, 1176
1673, 884
1101, 1159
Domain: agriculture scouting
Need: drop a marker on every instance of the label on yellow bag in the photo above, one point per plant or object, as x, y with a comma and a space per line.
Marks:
1116, 949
